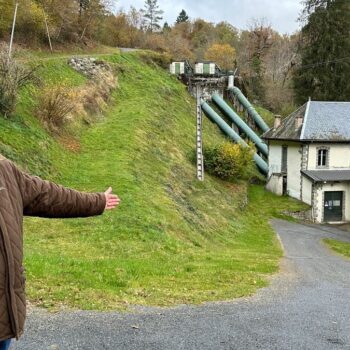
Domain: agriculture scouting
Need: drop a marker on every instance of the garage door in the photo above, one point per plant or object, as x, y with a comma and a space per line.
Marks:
333, 206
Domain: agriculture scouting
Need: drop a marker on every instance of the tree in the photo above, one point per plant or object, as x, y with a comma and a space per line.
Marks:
83, 4
6, 15
166, 27
202, 36
226, 33
152, 15
253, 48
224, 55
182, 17
324, 70
279, 62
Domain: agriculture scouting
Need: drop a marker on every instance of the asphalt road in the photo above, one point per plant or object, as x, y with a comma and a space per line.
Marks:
306, 306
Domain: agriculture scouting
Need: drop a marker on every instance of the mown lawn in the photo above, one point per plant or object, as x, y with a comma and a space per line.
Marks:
173, 239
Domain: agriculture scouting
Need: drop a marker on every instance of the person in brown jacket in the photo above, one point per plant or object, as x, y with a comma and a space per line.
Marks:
22, 194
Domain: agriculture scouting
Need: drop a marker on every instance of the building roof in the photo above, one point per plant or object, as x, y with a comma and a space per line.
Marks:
327, 175
321, 121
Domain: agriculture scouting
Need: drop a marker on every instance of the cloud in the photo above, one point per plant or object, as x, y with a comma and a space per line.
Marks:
281, 14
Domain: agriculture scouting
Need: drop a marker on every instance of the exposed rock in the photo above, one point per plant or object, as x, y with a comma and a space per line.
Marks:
89, 66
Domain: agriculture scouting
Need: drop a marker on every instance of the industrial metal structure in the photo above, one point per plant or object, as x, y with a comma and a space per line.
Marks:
207, 68
181, 68
242, 126
249, 108
199, 139
207, 82
227, 130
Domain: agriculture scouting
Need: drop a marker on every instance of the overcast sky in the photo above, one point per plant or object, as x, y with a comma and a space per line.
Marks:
281, 14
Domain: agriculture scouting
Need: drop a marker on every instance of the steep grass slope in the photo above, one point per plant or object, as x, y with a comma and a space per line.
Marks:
173, 239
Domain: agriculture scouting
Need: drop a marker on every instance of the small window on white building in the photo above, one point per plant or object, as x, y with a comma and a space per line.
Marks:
322, 158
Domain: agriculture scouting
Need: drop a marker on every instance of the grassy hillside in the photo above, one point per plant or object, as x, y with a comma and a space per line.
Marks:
173, 239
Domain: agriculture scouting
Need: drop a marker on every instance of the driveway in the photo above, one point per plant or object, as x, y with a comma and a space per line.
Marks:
306, 306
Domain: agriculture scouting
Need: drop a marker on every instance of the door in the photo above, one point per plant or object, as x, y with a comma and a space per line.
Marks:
206, 69
284, 185
333, 206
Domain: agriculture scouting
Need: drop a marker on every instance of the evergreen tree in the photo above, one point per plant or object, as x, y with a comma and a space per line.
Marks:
152, 15
182, 17
324, 72
166, 27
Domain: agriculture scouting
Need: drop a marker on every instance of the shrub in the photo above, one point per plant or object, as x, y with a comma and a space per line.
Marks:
59, 104
155, 58
95, 96
13, 76
55, 103
229, 161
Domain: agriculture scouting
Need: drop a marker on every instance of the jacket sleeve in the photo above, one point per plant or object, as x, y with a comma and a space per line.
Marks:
46, 199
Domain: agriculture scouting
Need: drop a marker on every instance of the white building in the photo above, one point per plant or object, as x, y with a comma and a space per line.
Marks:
309, 158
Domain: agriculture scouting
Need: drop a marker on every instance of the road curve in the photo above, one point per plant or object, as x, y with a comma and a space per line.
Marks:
306, 306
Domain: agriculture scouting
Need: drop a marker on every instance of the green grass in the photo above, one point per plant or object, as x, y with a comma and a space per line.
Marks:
266, 115
173, 239
339, 247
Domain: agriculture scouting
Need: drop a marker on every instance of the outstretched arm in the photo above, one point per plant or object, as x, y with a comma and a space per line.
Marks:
47, 199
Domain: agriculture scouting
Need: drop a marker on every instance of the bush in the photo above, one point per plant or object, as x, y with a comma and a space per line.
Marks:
155, 58
94, 96
55, 105
229, 161
60, 104
12, 77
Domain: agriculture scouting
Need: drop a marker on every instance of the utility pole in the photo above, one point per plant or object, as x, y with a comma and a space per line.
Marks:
199, 141
47, 30
12, 33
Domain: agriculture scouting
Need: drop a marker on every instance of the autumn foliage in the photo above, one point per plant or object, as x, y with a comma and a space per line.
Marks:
264, 57
223, 54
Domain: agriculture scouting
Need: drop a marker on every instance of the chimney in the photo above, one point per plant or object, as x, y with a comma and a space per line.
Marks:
298, 121
277, 123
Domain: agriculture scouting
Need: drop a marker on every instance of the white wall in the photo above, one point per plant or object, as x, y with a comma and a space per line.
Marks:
275, 184
275, 158
339, 155
306, 191
294, 167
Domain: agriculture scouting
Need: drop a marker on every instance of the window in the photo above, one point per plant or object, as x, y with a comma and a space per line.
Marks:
322, 157
284, 159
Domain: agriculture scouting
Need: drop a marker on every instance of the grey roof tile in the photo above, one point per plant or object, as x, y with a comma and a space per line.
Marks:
327, 121
323, 121
327, 175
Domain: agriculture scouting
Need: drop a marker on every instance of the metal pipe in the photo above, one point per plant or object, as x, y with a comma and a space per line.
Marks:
227, 110
225, 128
250, 109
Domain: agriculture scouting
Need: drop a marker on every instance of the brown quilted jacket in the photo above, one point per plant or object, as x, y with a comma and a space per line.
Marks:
22, 194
